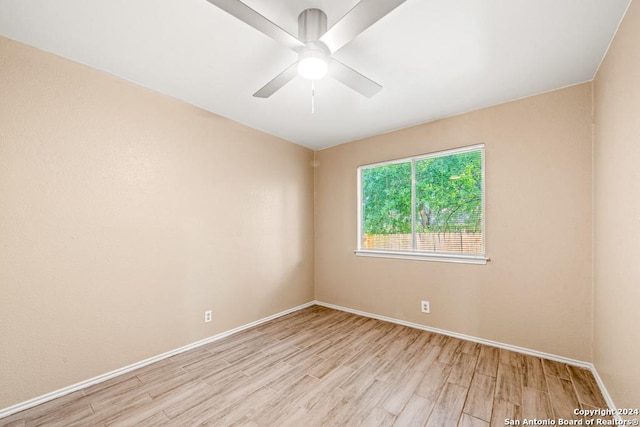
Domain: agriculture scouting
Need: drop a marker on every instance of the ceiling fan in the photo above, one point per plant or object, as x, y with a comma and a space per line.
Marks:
315, 45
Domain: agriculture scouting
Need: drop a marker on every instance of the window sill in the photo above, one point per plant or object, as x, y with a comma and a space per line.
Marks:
421, 256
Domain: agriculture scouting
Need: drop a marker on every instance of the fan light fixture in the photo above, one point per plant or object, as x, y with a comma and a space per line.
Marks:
313, 64
315, 43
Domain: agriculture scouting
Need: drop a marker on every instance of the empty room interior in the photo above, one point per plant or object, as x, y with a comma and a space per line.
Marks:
420, 212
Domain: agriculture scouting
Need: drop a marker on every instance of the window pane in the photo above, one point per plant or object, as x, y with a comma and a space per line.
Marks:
386, 207
449, 204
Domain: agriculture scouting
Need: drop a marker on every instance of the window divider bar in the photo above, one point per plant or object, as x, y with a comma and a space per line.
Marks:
414, 243
360, 209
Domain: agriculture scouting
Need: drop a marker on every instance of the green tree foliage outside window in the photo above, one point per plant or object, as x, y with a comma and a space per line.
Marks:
387, 199
447, 197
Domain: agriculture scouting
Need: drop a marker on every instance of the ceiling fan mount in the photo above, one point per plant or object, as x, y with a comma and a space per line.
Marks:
312, 24
315, 43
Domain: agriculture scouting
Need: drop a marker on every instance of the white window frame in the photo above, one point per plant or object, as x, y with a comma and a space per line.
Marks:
415, 254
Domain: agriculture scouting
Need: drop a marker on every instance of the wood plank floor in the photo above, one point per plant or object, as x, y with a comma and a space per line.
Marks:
322, 367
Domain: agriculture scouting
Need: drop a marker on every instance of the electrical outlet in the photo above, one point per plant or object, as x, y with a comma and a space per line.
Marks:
425, 307
207, 316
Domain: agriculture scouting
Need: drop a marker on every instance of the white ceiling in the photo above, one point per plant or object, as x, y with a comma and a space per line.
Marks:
434, 58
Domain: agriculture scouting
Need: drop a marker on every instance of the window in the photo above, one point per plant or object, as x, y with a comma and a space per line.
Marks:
425, 207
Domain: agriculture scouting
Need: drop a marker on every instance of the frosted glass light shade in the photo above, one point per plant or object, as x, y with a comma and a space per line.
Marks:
313, 64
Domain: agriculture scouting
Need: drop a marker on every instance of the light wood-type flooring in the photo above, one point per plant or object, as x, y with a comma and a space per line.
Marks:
322, 367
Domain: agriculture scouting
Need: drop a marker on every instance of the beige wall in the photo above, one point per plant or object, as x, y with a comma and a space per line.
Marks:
617, 215
536, 291
124, 214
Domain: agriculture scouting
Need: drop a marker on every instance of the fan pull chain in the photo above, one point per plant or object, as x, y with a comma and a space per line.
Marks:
313, 97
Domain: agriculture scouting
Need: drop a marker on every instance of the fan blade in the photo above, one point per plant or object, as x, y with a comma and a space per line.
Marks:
280, 80
362, 16
259, 22
353, 79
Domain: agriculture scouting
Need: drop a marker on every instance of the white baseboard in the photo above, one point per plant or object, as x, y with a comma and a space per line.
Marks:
104, 377
517, 349
605, 392
461, 336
